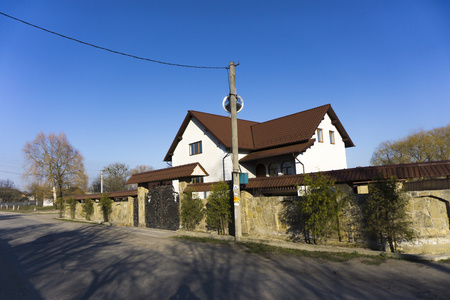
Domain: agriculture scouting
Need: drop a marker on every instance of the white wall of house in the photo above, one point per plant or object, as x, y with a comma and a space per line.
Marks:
324, 156
212, 154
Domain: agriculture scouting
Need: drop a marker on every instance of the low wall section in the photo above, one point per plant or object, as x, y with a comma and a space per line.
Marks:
121, 215
428, 211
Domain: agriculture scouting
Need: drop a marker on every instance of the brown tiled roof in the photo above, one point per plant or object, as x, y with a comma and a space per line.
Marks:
292, 149
118, 194
165, 174
295, 128
201, 187
219, 127
360, 174
354, 175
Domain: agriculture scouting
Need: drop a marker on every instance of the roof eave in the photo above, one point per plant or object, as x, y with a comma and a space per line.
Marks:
337, 123
178, 136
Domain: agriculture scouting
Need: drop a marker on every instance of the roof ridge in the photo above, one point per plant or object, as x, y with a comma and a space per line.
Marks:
297, 113
216, 115
296, 127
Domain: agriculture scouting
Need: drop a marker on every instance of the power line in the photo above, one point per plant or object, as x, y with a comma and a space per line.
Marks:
11, 172
109, 50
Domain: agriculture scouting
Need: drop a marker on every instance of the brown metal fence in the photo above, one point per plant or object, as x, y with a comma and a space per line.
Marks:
432, 184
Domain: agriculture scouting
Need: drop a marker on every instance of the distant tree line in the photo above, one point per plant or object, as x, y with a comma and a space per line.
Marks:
52, 162
115, 176
419, 146
9, 192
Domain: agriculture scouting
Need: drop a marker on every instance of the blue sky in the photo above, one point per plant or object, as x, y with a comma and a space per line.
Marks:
384, 66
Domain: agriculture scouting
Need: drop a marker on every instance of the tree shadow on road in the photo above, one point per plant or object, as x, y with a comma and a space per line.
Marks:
83, 261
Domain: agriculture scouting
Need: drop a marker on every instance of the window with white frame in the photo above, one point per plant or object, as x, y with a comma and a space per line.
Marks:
195, 148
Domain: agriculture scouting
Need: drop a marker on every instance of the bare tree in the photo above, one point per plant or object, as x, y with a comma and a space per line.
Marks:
9, 192
96, 184
55, 159
141, 169
7, 184
115, 176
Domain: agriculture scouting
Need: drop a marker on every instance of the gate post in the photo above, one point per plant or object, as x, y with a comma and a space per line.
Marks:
141, 202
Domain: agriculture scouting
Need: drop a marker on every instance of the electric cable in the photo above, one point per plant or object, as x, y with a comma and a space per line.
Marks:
110, 50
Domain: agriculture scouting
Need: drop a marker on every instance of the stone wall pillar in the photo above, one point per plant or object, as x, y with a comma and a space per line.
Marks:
142, 192
182, 186
245, 225
130, 211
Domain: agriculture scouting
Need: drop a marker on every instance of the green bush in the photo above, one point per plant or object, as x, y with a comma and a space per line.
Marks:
106, 206
315, 215
385, 214
218, 208
88, 208
192, 210
72, 206
60, 205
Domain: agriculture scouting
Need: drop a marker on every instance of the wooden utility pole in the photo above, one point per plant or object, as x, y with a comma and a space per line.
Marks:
235, 152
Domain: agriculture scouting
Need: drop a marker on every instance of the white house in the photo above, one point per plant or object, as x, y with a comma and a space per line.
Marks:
308, 141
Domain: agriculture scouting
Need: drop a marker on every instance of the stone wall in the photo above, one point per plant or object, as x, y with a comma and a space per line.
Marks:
121, 215
260, 216
428, 211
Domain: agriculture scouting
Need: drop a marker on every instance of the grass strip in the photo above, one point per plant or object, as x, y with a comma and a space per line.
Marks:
267, 250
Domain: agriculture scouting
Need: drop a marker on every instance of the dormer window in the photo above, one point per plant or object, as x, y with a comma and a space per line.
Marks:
197, 179
319, 135
195, 148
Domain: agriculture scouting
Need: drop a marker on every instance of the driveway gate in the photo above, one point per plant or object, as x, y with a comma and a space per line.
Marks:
162, 208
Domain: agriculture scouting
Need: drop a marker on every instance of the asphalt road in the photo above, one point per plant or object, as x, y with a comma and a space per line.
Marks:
42, 258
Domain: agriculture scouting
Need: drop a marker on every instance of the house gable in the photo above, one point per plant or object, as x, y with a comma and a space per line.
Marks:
296, 128
210, 151
325, 154
219, 127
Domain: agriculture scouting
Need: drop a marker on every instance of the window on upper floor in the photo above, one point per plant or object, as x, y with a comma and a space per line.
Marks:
320, 135
286, 168
197, 179
195, 148
273, 169
331, 137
